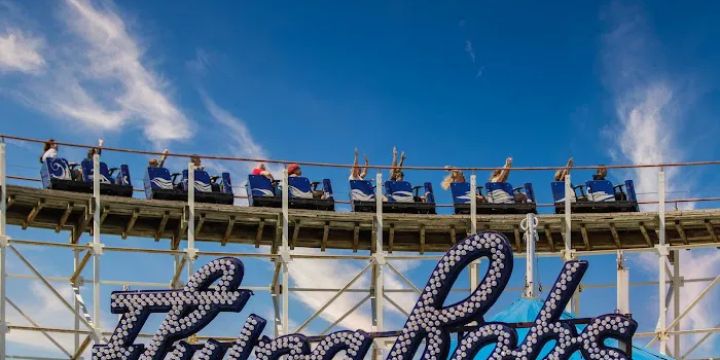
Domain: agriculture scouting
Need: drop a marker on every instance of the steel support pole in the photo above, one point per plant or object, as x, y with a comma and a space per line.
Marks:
190, 250
677, 284
663, 253
568, 253
529, 225
623, 295
97, 247
76, 303
475, 265
3, 250
285, 255
378, 276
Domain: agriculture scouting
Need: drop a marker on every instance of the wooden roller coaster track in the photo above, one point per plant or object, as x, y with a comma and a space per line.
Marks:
156, 219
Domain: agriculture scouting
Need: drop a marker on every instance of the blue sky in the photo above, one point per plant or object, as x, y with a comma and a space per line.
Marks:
464, 83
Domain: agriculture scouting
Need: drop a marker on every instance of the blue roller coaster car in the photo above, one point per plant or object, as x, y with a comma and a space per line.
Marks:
400, 197
500, 198
59, 174
303, 193
597, 196
161, 185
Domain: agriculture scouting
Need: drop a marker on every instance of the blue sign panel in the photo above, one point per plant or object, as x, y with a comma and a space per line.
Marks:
216, 288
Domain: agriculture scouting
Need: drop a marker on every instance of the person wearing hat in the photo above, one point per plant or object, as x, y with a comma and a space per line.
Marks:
294, 170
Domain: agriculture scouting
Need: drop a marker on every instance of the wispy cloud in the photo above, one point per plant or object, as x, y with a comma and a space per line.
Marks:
648, 112
95, 75
243, 143
20, 52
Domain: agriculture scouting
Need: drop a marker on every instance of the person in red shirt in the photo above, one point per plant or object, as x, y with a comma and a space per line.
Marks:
260, 169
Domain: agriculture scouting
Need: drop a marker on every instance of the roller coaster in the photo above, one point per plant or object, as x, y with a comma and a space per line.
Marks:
388, 219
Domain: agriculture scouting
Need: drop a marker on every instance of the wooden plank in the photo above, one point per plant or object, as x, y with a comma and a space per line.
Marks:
518, 238
9, 202
64, 217
453, 235
586, 239
356, 237
33, 213
615, 235
229, 229
422, 238
548, 235
326, 234
259, 234
296, 232
645, 235
391, 238
681, 232
711, 230
131, 223
161, 226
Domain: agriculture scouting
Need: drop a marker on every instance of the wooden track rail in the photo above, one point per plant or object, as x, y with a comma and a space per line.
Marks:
163, 220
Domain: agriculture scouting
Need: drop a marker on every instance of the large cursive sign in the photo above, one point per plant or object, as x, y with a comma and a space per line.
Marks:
215, 288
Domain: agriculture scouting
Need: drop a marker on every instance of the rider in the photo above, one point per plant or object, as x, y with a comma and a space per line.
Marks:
260, 169
358, 173
158, 163
396, 173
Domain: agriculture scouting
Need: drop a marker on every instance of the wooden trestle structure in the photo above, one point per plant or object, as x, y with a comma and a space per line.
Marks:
155, 219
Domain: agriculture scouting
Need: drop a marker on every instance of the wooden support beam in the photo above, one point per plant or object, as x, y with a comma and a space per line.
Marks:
277, 239
391, 238
33, 213
229, 229
326, 235
161, 226
681, 232
548, 235
356, 237
646, 235
81, 224
259, 233
296, 233
422, 238
586, 239
180, 231
518, 238
453, 235
76, 274
130, 224
63, 219
615, 236
201, 222
104, 214
711, 230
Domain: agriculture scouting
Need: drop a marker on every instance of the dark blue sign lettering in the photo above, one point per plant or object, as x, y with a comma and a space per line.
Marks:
215, 288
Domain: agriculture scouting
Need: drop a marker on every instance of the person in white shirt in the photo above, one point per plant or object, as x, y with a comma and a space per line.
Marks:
357, 172
50, 150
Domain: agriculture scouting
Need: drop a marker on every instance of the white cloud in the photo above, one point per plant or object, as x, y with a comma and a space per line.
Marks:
20, 52
335, 274
648, 112
95, 75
